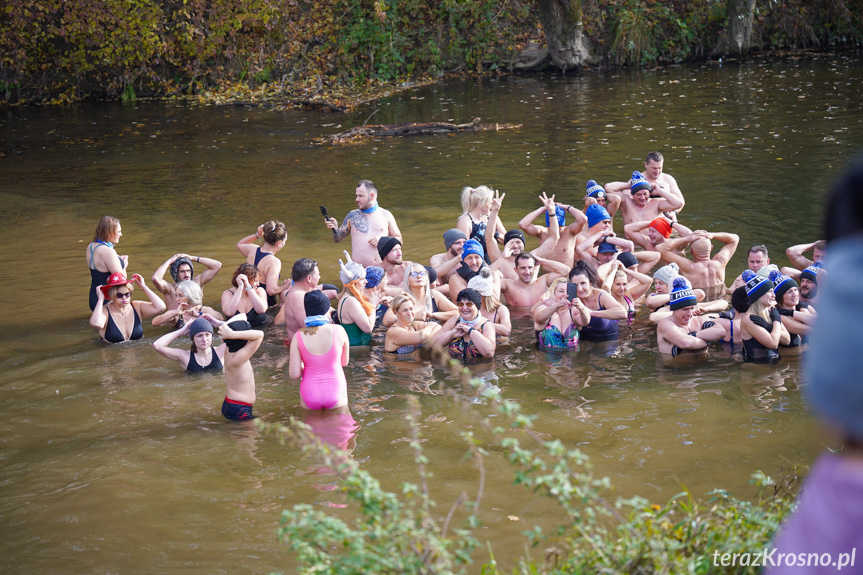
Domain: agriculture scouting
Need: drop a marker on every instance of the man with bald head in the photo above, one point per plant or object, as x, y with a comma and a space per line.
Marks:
704, 272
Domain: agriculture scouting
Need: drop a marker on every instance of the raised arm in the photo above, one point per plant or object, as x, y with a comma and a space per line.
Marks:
730, 241
634, 232
213, 266
253, 336
341, 232
527, 226
644, 283
668, 248
555, 269
624, 245
795, 255
670, 201
159, 275
162, 346
247, 245
155, 305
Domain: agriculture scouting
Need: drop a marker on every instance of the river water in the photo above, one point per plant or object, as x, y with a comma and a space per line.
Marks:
113, 461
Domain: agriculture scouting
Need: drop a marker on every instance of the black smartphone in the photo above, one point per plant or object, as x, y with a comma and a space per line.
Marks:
324, 212
571, 291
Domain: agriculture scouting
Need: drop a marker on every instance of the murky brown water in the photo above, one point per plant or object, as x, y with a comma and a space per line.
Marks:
113, 461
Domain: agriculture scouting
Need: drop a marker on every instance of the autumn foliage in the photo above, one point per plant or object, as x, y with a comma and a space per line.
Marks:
296, 50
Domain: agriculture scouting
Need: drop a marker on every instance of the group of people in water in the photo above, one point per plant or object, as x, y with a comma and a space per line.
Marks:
581, 284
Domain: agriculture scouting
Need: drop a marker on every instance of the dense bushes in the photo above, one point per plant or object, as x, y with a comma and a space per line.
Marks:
67, 50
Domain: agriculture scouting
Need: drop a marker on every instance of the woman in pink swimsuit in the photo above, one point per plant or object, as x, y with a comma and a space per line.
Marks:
318, 353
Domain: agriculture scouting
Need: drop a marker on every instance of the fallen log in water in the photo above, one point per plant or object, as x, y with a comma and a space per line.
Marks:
410, 129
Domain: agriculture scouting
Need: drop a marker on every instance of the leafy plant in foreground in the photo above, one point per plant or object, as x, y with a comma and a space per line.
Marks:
397, 532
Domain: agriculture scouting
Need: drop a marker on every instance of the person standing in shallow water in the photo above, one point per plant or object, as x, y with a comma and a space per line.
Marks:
242, 342
366, 225
102, 259
319, 353
264, 257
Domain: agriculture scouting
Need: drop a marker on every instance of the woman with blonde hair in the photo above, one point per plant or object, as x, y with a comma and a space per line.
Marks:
429, 303
119, 319
274, 235
627, 285
407, 334
102, 259
190, 305
761, 328
479, 218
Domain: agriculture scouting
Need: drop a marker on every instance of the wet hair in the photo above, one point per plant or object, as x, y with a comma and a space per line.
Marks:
845, 204
193, 292
620, 274
105, 229
820, 245
582, 268
369, 186
654, 156
249, 271
762, 249
474, 197
303, 268
275, 232
112, 292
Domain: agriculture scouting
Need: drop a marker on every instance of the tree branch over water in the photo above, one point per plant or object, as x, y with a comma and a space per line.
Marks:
364, 132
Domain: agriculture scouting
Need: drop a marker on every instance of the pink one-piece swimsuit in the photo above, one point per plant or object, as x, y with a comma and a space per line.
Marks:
323, 385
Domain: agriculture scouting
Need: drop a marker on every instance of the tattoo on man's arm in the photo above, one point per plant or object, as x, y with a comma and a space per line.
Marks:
342, 232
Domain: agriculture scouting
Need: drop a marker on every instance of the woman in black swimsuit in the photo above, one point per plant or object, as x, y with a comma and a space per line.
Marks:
479, 221
264, 258
102, 259
119, 320
202, 356
247, 296
761, 327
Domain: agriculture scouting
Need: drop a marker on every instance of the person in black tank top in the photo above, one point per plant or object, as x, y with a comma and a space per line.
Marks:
202, 356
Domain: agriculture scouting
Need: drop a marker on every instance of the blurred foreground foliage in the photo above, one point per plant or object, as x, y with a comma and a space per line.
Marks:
291, 51
403, 531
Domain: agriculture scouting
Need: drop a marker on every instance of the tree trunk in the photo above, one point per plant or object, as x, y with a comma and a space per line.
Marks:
561, 20
737, 39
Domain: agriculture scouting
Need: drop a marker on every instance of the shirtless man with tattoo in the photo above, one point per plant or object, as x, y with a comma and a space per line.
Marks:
366, 225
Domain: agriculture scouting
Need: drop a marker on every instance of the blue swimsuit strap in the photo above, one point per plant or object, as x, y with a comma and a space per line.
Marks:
93, 246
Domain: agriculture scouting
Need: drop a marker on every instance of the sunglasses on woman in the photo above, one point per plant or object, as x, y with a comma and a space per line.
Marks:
124, 294
419, 274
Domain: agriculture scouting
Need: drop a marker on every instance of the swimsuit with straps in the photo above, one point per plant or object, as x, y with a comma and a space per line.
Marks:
600, 329
97, 278
356, 336
271, 299
323, 385
214, 365
113, 333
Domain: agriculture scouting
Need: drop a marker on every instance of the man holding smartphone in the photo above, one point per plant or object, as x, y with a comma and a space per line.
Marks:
366, 225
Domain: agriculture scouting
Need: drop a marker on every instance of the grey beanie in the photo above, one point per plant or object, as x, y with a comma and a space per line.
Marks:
667, 273
453, 235
834, 362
